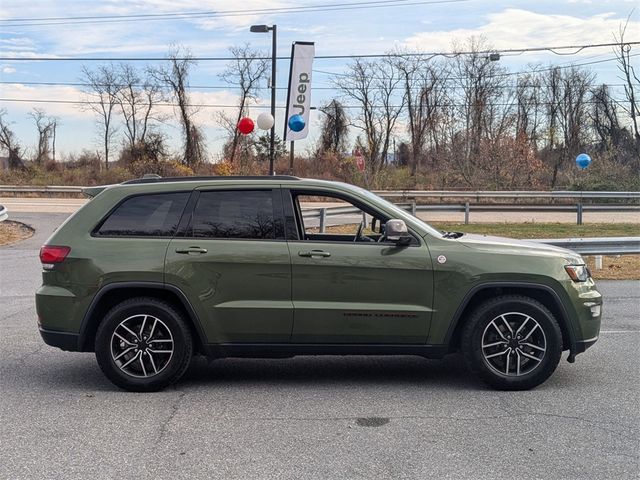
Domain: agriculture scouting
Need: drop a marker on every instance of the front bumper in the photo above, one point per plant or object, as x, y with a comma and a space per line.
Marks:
582, 345
587, 302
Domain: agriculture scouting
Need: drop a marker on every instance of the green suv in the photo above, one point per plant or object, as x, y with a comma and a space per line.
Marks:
151, 271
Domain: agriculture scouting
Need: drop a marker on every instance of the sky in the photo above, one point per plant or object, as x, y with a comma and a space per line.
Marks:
373, 27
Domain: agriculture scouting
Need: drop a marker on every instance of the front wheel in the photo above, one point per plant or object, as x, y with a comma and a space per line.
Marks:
143, 345
512, 342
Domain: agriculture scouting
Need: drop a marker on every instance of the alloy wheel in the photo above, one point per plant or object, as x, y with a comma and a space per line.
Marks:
142, 346
513, 344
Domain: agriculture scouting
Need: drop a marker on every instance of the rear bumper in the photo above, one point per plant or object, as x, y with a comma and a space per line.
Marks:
63, 340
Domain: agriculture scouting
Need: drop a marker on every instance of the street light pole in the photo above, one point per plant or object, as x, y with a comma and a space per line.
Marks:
272, 140
272, 149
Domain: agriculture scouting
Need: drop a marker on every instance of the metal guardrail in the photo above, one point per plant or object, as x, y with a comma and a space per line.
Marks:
555, 194
42, 189
467, 208
4, 214
597, 246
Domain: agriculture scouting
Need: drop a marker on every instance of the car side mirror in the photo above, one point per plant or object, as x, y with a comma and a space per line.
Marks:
395, 230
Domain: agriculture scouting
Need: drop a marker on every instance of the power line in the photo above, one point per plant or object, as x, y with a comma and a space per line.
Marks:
230, 87
31, 22
187, 14
504, 74
210, 105
88, 102
552, 49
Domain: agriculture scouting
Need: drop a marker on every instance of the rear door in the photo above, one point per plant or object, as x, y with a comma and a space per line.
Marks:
233, 264
354, 290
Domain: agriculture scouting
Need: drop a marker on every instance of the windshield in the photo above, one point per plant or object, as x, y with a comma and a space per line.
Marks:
401, 214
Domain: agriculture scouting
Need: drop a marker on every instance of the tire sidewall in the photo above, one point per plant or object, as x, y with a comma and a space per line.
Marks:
181, 344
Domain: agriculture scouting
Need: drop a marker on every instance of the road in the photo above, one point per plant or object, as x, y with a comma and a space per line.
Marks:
311, 417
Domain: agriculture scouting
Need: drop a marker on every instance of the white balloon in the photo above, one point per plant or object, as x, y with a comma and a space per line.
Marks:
265, 121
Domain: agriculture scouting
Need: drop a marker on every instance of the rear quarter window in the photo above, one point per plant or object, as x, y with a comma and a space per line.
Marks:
151, 215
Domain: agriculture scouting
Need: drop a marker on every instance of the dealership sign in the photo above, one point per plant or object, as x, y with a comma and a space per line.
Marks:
299, 94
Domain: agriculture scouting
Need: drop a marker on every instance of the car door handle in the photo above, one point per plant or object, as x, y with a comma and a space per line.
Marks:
314, 253
190, 250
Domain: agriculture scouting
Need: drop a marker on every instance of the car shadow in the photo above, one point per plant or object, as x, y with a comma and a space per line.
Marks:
81, 373
362, 371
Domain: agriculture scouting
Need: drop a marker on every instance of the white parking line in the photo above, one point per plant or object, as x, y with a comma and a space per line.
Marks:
619, 331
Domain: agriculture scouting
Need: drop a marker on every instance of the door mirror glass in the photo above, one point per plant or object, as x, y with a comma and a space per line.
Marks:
395, 230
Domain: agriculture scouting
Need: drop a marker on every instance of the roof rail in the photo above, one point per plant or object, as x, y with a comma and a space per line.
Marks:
203, 178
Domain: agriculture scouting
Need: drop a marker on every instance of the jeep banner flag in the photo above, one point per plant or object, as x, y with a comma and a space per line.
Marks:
299, 94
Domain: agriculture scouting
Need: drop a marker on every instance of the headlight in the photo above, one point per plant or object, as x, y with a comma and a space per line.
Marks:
578, 273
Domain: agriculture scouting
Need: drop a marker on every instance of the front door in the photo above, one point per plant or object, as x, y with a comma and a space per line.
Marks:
234, 266
348, 287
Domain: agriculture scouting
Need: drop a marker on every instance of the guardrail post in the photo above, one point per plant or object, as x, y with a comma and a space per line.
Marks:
598, 262
466, 213
364, 218
323, 219
579, 213
413, 207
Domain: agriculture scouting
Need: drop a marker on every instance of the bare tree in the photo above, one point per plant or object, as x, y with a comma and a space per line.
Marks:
151, 95
604, 118
631, 83
137, 98
103, 89
55, 122
552, 95
528, 103
9, 142
45, 126
425, 92
481, 82
175, 76
129, 101
376, 89
245, 72
566, 92
334, 130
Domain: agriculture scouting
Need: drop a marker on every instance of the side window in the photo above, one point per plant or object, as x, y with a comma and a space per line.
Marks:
152, 215
329, 218
236, 214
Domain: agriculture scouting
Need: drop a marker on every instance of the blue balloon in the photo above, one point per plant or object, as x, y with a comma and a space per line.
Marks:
583, 161
296, 123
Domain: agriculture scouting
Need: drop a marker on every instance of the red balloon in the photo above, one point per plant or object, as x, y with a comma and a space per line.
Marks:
246, 126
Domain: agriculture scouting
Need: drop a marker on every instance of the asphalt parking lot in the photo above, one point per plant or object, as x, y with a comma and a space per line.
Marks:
308, 417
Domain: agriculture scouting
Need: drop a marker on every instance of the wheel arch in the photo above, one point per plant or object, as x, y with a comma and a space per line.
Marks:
540, 292
114, 293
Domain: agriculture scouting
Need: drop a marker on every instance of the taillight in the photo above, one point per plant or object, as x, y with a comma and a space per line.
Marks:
52, 254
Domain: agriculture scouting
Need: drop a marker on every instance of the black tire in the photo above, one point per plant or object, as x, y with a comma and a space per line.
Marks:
497, 371
168, 371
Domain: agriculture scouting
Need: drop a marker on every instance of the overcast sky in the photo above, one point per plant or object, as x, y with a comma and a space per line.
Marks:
417, 25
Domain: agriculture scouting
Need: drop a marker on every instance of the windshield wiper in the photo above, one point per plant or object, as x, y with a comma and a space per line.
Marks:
452, 234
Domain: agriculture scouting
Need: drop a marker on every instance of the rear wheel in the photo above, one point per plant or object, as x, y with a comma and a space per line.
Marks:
143, 344
512, 342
